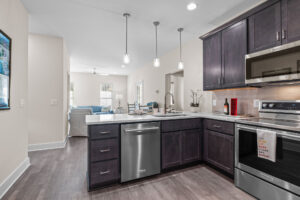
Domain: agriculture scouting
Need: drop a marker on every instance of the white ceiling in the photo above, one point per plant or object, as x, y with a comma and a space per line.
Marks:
94, 29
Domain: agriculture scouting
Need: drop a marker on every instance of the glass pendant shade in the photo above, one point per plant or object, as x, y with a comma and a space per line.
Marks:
156, 62
180, 65
126, 59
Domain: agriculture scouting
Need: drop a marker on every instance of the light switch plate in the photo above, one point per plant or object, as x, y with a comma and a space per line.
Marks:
214, 102
255, 103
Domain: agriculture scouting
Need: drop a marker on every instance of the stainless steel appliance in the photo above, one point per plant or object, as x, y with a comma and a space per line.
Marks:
140, 150
262, 178
278, 65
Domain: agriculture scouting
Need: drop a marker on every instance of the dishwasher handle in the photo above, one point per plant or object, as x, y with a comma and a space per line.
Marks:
141, 131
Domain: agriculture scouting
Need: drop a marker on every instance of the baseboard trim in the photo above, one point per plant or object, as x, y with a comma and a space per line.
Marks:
14, 176
47, 146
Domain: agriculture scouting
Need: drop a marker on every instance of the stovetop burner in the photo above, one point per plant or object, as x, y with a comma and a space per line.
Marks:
283, 115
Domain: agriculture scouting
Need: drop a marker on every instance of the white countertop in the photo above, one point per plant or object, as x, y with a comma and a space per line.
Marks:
125, 118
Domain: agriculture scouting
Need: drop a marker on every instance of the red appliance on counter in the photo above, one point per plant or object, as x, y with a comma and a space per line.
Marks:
233, 106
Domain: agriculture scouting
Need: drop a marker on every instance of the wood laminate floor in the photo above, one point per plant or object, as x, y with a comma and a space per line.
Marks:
61, 175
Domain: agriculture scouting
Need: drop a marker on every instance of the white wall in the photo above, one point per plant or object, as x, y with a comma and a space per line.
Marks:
154, 78
47, 72
13, 122
87, 88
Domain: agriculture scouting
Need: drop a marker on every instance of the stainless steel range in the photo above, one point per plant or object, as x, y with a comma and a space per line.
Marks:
260, 177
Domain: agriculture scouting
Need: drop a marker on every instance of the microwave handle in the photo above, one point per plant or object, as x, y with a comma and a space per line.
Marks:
279, 133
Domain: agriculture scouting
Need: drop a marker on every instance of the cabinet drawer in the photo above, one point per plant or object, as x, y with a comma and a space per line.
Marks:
219, 126
104, 149
178, 125
104, 131
103, 172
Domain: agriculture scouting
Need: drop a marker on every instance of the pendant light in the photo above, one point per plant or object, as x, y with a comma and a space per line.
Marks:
156, 62
180, 63
126, 58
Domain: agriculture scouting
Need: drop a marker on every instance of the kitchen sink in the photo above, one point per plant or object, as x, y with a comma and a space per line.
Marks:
169, 115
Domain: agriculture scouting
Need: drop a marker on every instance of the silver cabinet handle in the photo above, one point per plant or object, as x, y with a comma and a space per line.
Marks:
283, 34
104, 132
141, 130
278, 35
104, 172
104, 150
216, 126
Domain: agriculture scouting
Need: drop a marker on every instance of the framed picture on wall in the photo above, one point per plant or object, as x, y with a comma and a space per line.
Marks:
5, 70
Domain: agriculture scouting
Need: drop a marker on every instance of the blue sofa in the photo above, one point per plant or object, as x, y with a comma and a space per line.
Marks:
96, 110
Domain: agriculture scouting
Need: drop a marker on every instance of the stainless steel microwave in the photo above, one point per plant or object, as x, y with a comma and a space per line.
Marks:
278, 65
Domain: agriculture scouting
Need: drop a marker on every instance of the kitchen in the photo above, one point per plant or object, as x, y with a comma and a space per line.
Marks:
252, 52
224, 117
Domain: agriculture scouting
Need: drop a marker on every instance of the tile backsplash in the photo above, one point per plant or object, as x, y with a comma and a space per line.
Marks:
247, 96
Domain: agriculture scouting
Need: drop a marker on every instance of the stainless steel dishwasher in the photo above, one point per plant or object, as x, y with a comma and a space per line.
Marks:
140, 150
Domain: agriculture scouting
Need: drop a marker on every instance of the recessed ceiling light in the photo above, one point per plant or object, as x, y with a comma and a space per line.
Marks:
191, 6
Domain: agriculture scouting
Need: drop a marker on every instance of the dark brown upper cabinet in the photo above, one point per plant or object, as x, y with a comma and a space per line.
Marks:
212, 61
224, 58
290, 20
265, 28
234, 49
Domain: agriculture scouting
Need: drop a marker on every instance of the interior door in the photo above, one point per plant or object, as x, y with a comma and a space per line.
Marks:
290, 20
212, 62
265, 28
234, 49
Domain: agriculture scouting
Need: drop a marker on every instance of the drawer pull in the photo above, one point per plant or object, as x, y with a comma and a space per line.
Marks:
216, 126
104, 132
105, 172
104, 150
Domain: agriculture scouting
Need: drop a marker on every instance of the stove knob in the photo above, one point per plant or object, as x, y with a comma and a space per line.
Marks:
271, 105
264, 105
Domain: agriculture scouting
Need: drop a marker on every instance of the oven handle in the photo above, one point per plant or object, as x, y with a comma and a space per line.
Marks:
282, 134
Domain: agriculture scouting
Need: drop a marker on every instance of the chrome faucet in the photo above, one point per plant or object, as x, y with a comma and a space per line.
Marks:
172, 98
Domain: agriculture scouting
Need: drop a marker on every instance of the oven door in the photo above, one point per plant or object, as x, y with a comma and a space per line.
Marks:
285, 172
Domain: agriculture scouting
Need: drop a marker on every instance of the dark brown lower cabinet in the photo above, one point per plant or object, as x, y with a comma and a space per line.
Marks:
219, 150
171, 149
180, 147
103, 155
190, 146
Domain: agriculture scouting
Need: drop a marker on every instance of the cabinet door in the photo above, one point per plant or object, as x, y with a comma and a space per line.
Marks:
290, 20
218, 150
265, 28
212, 62
190, 145
171, 149
234, 49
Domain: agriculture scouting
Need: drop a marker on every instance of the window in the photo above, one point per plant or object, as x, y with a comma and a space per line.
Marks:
71, 94
139, 94
106, 95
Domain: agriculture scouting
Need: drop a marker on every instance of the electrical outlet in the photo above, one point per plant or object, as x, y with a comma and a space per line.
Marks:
256, 103
53, 102
22, 103
214, 102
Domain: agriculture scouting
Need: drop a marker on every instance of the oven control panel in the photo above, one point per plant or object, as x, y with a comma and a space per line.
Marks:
280, 106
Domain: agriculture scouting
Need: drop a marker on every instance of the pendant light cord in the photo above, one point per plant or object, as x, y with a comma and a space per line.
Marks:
180, 48
126, 33
156, 23
156, 41
126, 15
